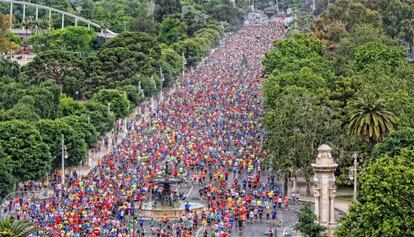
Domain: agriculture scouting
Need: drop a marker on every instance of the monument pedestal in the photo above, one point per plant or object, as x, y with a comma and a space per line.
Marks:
325, 189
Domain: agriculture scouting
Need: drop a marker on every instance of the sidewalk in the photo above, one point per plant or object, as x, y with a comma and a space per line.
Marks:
342, 205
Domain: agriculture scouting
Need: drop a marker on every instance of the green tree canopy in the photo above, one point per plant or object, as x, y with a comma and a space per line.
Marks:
52, 131
164, 8
145, 24
99, 116
23, 110
68, 106
22, 143
172, 30
83, 127
193, 51
227, 13
394, 143
116, 100
9, 68
136, 42
115, 67
194, 19
373, 52
7, 180
66, 69
383, 206
71, 38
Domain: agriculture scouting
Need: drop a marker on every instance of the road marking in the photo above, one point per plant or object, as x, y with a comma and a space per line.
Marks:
188, 194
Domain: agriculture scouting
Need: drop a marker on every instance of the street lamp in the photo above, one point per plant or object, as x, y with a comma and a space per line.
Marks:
184, 63
354, 173
315, 181
64, 156
162, 83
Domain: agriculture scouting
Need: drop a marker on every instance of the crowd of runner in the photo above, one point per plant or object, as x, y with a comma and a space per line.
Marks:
208, 131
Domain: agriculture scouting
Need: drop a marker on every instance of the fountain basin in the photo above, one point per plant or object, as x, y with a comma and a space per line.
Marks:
149, 210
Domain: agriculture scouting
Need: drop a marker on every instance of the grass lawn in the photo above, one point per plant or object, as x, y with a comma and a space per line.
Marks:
345, 198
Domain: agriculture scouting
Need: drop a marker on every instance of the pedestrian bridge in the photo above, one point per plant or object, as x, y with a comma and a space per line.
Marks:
101, 30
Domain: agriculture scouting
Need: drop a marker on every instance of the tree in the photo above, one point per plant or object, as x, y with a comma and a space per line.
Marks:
394, 143
11, 91
9, 68
373, 52
139, 42
87, 8
383, 206
52, 131
164, 8
23, 110
68, 106
359, 35
15, 228
83, 127
116, 101
407, 33
194, 19
290, 51
193, 51
46, 99
135, 96
305, 78
7, 180
5, 43
212, 35
296, 125
117, 66
66, 69
99, 116
227, 13
307, 222
22, 143
172, 30
71, 38
171, 64
145, 24
340, 18
370, 120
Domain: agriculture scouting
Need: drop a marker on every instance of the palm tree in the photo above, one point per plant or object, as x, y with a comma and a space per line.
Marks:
104, 27
371, 121
15, 228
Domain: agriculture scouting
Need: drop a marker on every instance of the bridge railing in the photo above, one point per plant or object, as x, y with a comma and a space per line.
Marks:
51, 9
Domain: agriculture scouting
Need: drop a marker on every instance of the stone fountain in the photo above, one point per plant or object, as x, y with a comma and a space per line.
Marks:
166, 203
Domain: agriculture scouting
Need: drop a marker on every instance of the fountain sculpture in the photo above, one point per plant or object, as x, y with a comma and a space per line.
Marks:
166, 202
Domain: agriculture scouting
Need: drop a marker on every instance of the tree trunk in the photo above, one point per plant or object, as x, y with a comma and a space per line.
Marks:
295, 183
308, 181
285, 186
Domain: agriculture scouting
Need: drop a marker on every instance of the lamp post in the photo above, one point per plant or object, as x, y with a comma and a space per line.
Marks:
184, 63
141, 94
162, 83
354, 173
64, 156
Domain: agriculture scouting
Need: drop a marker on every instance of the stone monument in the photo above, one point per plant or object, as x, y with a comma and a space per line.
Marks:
324, 187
